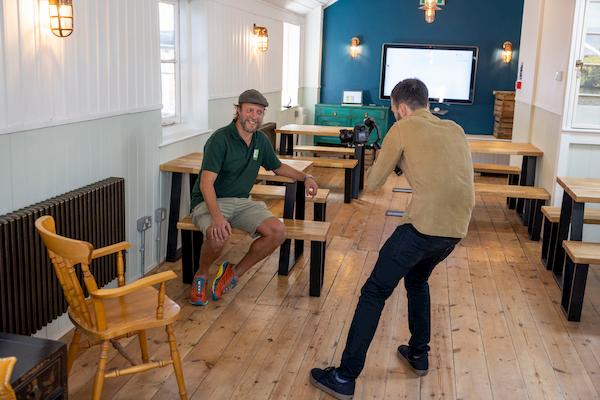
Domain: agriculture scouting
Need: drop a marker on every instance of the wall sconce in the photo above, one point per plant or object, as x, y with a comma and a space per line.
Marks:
61, 17
430, 7
354, 47
261, 36
507, 52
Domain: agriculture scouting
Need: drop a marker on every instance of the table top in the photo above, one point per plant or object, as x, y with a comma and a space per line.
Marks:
190, 164
28, 350
311, 130
508, 148
581, 190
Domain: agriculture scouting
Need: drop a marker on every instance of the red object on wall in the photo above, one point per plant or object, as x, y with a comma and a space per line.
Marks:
518, 85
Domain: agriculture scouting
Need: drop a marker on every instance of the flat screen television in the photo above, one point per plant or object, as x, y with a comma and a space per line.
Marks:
448, 71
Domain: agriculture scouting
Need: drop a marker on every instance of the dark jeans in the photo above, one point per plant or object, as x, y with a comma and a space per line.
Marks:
407, 254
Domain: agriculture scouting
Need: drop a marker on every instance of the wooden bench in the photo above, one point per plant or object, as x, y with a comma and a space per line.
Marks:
314, 231
345, 151
350, 169
551, 219
512, 171
579, 256
537, 196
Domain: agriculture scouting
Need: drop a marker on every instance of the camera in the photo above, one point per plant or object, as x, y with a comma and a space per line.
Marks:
360, 134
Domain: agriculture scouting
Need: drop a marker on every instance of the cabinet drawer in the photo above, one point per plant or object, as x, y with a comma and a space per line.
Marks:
331, 121
332, 112
374, 114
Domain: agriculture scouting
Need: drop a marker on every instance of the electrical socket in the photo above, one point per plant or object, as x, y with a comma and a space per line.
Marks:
144, 223
160, 214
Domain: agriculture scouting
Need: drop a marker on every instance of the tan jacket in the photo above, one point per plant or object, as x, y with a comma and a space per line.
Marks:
435, 158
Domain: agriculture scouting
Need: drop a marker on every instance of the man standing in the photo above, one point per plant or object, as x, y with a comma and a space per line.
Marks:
220, 198
435, 157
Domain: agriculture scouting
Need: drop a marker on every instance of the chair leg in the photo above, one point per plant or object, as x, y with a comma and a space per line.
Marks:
143, 345
176, 362
73, 350
99, 381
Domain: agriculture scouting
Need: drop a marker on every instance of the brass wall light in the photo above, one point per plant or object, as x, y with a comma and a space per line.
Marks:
430, 7
507, 52
354, 47
261, 37
61, 17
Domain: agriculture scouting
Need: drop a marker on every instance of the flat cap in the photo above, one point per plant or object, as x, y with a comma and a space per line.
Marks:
253, 96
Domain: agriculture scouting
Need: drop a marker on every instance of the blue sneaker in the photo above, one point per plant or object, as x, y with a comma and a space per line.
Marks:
330, 382
197, 293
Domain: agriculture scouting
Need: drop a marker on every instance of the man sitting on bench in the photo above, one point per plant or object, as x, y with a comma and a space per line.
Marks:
220, 198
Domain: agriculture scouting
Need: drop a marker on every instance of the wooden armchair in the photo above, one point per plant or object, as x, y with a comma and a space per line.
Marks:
110, 314
6, 368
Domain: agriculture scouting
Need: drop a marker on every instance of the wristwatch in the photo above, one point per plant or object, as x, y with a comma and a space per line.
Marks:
306, 176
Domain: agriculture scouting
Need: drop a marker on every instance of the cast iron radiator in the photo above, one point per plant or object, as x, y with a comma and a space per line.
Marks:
30, 294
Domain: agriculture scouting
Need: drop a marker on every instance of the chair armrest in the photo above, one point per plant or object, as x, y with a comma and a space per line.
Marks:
132, 287
113, 248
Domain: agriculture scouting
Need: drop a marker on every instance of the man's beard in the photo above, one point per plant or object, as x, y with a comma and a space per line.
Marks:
249, 125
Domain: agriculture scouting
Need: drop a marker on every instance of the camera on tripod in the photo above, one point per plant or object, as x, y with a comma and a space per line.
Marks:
360, 134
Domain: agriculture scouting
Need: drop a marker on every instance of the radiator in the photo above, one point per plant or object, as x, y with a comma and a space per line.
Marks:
30, 294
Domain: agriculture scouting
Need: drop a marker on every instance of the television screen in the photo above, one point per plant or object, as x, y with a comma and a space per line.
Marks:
448, 71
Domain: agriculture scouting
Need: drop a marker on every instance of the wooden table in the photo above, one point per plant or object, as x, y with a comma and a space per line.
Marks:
530, 154
577, 192
191, 163
286, 146
41, 368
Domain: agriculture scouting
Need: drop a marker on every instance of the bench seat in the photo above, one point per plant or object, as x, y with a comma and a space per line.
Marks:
347, 151
537, 195
496, 169
579, 256
350, 167
551, 216
314, 231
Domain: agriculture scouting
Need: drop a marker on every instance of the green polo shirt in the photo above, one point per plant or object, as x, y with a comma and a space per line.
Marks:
235, 163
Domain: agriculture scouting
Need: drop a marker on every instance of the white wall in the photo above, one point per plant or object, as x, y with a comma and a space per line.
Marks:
544, 50
100, 70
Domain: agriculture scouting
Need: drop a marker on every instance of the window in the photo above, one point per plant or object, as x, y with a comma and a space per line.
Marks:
291, 65
585, 88
169, 61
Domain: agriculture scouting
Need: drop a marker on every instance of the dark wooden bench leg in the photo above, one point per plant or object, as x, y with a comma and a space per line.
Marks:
191, 246
552, 245
320, 211
173, 217
511, 202
288, 213
546, 241
300, 213
535, 220
348, 179
317, 267
574, 279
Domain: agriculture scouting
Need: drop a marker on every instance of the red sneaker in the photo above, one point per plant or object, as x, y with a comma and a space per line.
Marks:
224, 281
197, 294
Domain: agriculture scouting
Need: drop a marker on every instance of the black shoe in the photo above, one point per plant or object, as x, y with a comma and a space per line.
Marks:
419, 364
326, 380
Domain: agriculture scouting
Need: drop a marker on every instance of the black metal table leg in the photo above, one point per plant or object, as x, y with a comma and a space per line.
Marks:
527, 179
558, 258
286, 144
575, 277
362, 169
288, 213
320, 211
511, 201
317, 267
173, 217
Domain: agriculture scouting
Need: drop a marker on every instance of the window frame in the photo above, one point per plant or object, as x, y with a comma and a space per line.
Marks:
284, 88
573, 80
176, 118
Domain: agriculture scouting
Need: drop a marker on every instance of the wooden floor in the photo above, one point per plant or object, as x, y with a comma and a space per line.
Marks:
498, 331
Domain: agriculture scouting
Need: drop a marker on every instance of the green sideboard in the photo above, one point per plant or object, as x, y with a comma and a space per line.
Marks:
338, 115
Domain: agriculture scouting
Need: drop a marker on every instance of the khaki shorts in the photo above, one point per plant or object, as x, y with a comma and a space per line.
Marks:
244, 214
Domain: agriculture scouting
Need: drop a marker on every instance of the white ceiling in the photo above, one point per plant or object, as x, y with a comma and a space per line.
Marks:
301, 6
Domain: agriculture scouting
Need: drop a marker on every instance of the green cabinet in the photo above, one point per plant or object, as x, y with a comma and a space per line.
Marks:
338, 115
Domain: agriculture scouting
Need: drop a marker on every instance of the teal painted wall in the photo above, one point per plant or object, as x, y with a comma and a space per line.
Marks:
485, 24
